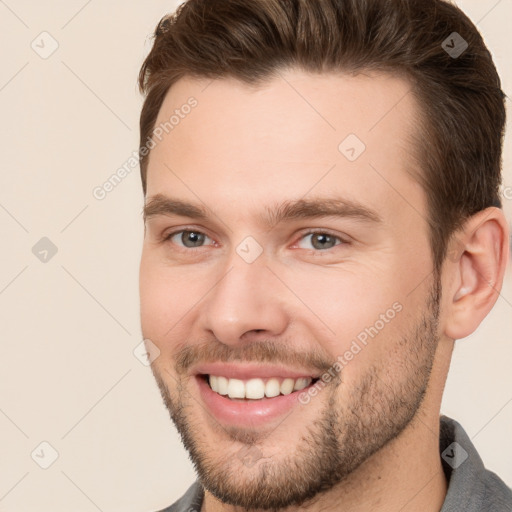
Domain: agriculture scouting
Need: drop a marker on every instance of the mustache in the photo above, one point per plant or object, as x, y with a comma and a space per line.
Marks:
253, 352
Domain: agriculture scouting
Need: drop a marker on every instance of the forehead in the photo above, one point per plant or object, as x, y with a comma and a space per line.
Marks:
296, 134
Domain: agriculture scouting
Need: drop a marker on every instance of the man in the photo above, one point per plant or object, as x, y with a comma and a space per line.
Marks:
322, 221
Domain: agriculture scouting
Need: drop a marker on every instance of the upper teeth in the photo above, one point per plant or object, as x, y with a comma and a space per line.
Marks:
256, 388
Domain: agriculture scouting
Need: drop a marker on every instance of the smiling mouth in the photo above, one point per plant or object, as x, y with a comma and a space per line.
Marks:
256, 388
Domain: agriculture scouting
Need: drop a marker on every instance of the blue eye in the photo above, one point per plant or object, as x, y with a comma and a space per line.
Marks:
188, 238
320, 240
192, 239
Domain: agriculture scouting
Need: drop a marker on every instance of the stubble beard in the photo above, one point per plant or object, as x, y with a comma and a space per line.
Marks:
333, 445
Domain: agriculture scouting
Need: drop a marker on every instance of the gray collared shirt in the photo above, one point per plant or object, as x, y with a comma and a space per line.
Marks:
471, 487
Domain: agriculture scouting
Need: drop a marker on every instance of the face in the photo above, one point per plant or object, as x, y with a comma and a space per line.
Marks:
286, 279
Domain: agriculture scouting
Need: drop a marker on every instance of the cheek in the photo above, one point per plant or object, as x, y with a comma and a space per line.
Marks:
160, 298
358, 318
341, 303
169, 300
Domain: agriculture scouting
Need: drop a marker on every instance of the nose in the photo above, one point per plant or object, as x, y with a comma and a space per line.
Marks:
246, 302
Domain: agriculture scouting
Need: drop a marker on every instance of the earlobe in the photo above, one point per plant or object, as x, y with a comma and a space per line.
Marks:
477, 271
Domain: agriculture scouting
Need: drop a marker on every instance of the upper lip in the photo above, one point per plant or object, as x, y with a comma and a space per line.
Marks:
244, 371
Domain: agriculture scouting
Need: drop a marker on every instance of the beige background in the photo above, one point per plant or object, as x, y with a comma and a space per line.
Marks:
68, 375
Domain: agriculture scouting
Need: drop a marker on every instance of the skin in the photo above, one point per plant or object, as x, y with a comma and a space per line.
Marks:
244, 149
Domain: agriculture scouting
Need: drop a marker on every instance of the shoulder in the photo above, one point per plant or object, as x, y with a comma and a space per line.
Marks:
496, 495
191, 501
471, 486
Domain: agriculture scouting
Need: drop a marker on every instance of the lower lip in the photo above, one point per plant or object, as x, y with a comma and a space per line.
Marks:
246, 413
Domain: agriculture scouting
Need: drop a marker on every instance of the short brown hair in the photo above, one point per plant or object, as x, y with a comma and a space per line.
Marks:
462, 106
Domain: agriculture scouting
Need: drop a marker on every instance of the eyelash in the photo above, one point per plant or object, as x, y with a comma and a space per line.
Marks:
303, 235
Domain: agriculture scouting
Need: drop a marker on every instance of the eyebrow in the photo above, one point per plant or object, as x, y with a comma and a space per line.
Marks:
320, 207
287, 211
163, 205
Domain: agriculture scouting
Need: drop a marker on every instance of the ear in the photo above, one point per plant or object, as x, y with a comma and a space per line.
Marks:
474, 269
